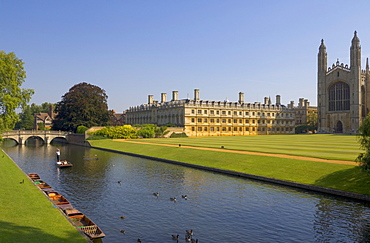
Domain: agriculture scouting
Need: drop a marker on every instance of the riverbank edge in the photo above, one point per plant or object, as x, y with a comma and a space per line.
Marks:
42, 195
325, 190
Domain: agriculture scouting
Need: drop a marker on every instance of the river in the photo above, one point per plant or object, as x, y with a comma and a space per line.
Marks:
218, 208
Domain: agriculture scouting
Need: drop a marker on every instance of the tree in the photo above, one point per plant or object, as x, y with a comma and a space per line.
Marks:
27, 116
161, 131
364, 139
83, 105
12, 96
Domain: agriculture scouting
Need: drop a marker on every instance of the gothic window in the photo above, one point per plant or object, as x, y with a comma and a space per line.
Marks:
339, 96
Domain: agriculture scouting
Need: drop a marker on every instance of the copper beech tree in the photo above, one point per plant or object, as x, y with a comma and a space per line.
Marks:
83, 105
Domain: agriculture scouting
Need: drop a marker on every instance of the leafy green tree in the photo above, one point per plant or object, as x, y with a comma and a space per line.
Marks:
84, 104
146, 130
161, 131
27, 116
81, 129
363, 136
12, 96
26, 119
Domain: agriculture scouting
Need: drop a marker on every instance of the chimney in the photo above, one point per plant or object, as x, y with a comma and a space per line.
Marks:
291, 104
196, 94
163, 97
306, 103
150, 99
266, 101
278, 102
241, 97
175, 95
301, 102
51, 113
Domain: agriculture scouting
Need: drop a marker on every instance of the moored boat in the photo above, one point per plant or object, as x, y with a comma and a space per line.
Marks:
34, 176
63, 164
41, 184
58, 200
83, 223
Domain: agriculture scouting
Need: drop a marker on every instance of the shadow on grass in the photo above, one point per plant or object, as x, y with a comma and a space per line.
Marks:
352, 180
10, 232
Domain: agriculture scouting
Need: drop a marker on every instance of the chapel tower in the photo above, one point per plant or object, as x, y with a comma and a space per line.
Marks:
342, 92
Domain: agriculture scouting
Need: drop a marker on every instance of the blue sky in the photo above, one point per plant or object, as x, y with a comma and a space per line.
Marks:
135, 48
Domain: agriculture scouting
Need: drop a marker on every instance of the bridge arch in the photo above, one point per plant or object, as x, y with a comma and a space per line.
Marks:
20, 136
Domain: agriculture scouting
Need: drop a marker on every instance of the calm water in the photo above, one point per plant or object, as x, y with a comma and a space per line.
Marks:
219, 208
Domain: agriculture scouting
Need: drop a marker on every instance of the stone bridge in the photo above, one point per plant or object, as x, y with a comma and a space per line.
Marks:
20, 136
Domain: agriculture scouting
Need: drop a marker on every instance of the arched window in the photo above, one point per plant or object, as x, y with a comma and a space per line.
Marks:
339, 97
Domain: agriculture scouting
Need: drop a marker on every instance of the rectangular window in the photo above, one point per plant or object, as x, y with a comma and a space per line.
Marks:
199, 119
205, 129
235, 129
247, 113
218, 112
193, 129
212, 112
212, 129
224, 129
235, 113
218, 121
192, 120
235, 121
240, 113
229, 120
223, 120
229, 112
199, 111
192, 111
217, 129
212, 120
205, 119
205, 111
223, 112
199, 129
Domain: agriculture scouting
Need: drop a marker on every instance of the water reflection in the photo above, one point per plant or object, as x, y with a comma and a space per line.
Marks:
219, 208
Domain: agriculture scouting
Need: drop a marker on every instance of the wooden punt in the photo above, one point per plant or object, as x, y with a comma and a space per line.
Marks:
58, 200
64, 164
84, 224
41, 184
34, 176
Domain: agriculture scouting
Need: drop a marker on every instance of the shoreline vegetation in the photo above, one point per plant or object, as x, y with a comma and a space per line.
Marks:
27, 215
326, 173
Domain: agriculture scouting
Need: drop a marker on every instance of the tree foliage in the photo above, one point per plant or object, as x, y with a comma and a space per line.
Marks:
84, 104
146, 130
116, 132
363, 136
27, 116
12, 96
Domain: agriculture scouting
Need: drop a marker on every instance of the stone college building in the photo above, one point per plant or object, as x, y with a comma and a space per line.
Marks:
218, 118
342, 92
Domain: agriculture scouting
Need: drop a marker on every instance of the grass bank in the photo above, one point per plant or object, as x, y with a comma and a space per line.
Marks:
26, 214
336, 176
326, 146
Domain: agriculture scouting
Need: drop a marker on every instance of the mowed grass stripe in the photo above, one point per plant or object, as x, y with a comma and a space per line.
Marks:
26, 214
338, 176
325, 146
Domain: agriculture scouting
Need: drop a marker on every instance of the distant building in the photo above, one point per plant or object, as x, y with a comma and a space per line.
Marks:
118, 119
303, 111
45, 118
343, 91
215, 118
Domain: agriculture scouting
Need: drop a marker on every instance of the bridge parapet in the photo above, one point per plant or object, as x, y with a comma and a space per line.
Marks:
22, 135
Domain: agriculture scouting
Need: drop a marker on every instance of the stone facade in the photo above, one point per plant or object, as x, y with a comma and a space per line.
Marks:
342, 92
215, 118
303, 111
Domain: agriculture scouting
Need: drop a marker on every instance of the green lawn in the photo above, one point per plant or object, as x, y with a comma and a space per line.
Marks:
26, 214
326, 146
337, 176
